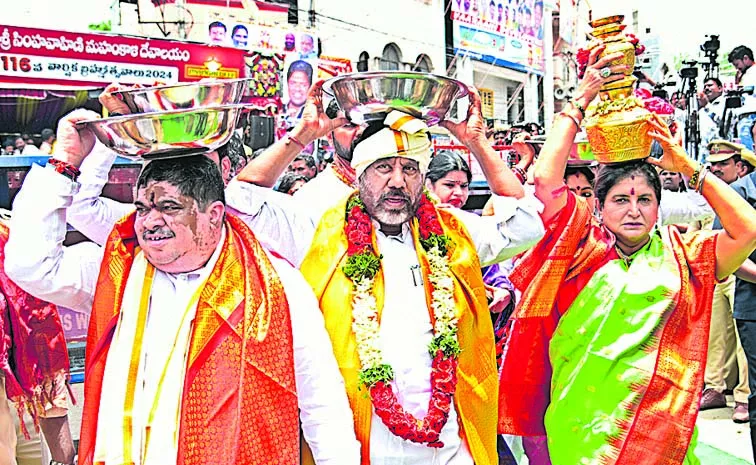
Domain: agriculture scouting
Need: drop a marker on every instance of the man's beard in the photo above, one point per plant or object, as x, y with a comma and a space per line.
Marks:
343, 152
377, 210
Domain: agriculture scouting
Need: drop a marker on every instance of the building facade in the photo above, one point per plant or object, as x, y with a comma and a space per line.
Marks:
504, 48
389, 35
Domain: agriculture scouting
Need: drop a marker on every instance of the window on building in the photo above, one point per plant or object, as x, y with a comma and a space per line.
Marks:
487, 102
362, 64
391, 58
423, 64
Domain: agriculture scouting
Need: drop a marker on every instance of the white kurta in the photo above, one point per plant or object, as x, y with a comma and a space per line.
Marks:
322, 192
405, 333
38, 263
515, 226
167, 331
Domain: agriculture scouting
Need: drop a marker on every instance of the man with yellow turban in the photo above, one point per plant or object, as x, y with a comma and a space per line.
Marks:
399, 284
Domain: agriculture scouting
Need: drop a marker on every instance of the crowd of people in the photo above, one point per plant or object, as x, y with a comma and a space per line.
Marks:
241, 303
708, 117
25, 144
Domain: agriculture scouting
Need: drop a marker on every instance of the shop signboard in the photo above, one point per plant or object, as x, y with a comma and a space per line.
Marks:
33, 57
506, 33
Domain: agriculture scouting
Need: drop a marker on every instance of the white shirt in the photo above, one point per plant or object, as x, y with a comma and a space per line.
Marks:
515, 226
38, 263
405, 333
715, 109
749, 77
45, 148
31, 149
709, 130
94, 215
683, 207
322, 192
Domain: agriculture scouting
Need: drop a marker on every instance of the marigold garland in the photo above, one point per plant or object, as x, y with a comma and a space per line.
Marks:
361, 267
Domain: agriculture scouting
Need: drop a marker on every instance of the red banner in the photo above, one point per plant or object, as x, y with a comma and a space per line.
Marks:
42, 58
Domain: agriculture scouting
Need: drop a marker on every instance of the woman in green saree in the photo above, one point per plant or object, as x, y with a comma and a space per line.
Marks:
606, 351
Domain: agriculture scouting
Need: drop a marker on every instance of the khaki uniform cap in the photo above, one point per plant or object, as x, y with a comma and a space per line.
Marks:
721, 150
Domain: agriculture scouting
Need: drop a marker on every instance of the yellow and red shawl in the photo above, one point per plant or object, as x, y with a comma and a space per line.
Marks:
475, 398
33, 351
239, 404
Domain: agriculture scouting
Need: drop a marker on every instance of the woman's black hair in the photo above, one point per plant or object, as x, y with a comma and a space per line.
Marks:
584, 170
239, 27
444, 162
609, 175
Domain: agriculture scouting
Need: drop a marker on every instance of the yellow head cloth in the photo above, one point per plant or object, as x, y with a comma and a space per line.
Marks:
404, 136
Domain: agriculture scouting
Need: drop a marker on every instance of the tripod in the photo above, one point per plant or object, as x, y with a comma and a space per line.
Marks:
692, 131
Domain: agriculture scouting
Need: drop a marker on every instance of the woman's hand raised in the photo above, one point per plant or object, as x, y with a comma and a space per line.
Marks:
675, 158
595, 75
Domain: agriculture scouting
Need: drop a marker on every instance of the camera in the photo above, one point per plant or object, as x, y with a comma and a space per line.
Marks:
711, 45
734, 97
690, 71
740, 91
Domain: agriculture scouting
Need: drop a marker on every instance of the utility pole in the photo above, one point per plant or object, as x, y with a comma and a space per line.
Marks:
182, 23
311, 15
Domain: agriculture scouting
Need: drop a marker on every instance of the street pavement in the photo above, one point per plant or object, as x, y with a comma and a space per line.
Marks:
720, 440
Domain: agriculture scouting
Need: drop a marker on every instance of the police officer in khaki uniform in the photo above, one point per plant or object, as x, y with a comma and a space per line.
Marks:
729, 161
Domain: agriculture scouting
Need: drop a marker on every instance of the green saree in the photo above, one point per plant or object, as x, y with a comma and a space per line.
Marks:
603, 354
610, 354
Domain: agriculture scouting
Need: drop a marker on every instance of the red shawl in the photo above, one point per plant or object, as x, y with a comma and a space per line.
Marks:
239, 404
33, 351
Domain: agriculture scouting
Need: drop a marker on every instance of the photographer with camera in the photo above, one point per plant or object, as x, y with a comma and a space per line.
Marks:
741, 58
713, 90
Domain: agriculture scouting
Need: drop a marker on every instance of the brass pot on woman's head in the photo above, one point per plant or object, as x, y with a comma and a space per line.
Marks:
617, 126
610, 32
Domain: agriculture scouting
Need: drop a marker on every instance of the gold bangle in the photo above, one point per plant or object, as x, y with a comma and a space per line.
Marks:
696, 178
